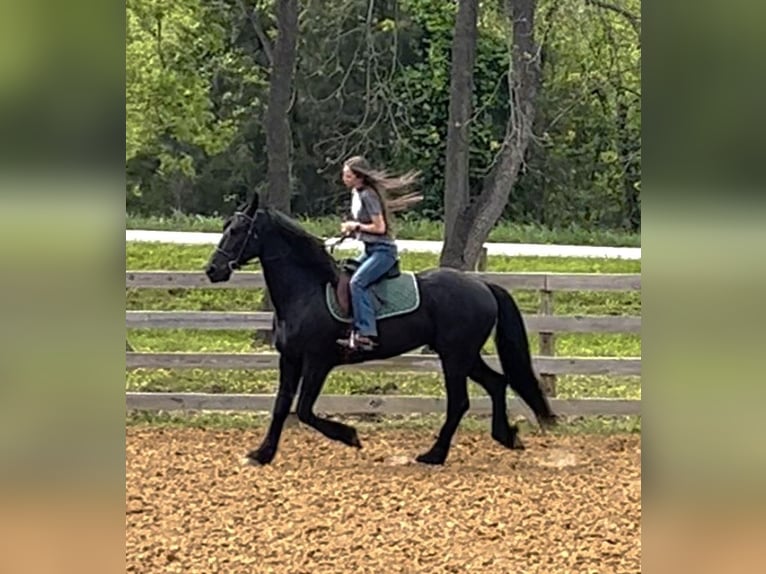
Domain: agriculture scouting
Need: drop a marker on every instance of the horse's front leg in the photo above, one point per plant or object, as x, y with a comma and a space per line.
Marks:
289, 377
315, 371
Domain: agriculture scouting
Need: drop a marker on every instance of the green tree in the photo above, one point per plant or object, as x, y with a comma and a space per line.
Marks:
174, 54
373, 77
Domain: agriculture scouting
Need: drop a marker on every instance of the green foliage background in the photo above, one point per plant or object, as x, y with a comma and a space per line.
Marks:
373, 78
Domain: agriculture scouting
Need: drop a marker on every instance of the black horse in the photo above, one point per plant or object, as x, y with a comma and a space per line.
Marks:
456, 315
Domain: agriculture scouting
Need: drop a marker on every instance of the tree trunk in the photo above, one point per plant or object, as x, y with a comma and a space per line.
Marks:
476, 216
280, 91
456, 191
277, 127
632, 210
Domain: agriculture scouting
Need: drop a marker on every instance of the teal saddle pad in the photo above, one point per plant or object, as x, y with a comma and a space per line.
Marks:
390, 297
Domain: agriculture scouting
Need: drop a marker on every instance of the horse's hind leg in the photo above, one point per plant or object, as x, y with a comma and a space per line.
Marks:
456, 380
495, 385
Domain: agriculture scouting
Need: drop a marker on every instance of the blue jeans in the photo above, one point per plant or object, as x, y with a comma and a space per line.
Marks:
377, 260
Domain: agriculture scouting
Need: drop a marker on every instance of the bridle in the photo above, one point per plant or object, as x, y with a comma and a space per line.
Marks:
235, 262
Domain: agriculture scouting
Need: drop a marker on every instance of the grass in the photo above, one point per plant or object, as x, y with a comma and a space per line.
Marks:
411, 227
169, 257
470, 423
346, 382
153, 256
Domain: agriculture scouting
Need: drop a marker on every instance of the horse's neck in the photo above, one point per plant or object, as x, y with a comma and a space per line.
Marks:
287, 283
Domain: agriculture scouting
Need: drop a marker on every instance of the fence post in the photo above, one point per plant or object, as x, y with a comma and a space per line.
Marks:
481, 264
262, 336
547, 342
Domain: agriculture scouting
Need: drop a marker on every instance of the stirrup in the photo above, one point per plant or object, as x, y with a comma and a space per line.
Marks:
353, 342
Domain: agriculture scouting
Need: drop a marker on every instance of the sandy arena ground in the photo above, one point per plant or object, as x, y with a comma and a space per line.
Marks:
566, 504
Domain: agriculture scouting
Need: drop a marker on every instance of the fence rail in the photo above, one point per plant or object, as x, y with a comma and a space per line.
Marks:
545, 323
414, 363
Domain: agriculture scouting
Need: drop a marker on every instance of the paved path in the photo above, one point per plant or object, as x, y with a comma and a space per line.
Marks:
517, 249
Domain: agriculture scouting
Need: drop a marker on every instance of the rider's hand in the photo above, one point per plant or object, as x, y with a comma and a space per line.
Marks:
348, 226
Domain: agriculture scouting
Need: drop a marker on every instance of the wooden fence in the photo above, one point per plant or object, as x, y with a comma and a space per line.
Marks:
546, 363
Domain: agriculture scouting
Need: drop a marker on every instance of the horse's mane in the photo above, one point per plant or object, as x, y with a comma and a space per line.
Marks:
308, 247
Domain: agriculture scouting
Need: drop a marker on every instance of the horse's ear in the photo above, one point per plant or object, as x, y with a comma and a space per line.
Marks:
253, 207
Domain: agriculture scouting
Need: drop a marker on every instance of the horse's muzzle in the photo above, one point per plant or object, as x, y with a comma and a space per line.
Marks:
217, 274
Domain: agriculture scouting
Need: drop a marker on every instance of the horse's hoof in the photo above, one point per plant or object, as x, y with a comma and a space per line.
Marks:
431, 458
355, 442
549, 423
517, 444
506, 439
260, 457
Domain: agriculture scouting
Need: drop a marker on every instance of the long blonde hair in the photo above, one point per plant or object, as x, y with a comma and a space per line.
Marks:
388, 188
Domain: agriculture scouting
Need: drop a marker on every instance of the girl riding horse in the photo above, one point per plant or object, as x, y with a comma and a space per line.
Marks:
371, 210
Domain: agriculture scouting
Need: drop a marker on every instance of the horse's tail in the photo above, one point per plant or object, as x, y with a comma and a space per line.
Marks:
513, 349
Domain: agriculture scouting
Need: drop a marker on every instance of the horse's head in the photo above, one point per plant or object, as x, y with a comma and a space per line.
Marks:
238, 245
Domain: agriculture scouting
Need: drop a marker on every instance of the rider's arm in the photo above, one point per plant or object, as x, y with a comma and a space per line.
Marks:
372, 204
378, 225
